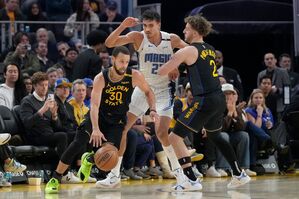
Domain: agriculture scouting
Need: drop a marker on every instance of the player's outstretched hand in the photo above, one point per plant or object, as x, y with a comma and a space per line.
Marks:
130, 22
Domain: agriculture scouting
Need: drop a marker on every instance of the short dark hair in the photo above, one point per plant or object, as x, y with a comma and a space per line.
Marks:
200, 24
120, 49
151, 15
96, 37
283, 55
39, 77
265, 77
71, 49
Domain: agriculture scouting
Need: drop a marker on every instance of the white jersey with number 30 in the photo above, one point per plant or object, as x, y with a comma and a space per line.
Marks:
152, 57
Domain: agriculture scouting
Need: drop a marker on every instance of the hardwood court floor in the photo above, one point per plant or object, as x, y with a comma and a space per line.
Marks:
271, 186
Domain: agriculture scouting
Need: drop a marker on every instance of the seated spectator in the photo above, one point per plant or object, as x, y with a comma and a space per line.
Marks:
104, 56
67, 63
52, 77
62, 48
42, 55
270, 97
111, 15
40, 118
89, 86
82, 14
28, 84
22, 54
77, 101
260, 120
42, 35
35, 13
233, 128
13, 90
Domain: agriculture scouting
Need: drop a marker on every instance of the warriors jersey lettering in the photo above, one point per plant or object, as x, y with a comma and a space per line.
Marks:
116, 97
152, 57
203, 74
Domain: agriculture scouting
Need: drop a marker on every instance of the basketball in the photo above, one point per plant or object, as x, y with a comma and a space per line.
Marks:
106, 157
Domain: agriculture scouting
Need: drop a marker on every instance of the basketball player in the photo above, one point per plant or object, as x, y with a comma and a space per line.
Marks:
208, 104
155, 47
110, 100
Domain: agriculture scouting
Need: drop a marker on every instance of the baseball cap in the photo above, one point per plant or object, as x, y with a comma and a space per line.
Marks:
88, 82
111, 5
228, 87
63, 82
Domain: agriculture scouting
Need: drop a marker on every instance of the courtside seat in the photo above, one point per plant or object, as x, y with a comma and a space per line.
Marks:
10, 122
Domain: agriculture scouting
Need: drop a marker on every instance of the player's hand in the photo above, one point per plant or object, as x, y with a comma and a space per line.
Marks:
147, 137
130, 22
155, 117
96, 138
172, 75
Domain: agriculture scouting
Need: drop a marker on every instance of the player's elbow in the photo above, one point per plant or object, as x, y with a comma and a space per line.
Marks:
108, 43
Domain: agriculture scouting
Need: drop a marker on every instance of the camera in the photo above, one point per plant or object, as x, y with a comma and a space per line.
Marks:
27, 46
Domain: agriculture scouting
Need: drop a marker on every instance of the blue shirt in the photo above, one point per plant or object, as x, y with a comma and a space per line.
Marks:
267, 115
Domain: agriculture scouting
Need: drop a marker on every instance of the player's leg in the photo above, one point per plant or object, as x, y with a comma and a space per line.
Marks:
137, 107
114, 136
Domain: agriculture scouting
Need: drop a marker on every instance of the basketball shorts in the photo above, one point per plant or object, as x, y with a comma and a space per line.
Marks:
205, 112
164, 102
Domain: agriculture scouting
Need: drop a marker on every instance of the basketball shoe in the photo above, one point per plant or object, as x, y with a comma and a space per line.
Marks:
110, 182
52, 186
14, 166
85, 169
184, 183
240, 180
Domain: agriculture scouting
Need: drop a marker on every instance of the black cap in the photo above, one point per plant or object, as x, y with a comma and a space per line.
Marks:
111, 5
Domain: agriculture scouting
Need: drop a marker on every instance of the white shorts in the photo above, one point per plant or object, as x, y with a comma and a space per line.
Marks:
164, 103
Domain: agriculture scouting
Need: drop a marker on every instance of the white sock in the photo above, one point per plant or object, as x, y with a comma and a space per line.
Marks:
172, 157
116, 169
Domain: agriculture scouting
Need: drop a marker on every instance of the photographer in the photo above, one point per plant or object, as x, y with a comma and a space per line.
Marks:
22, 55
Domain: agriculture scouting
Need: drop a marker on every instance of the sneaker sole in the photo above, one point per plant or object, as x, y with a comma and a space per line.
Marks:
238, 185
6, 140
197, 158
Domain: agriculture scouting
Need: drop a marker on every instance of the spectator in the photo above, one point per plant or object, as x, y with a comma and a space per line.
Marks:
104, 56
42, 35
77, 101
62, 48
285, 62
22, 55
13, 90
89, 86
111, 15
42, 55
11, 13
231, 76
28, 84
279, 78
40, 118
52, 77
233, 128
82, 14
35, 13
271, 98
67, 63
88, 64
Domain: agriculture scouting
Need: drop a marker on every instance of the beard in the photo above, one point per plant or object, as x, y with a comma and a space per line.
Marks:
119, 72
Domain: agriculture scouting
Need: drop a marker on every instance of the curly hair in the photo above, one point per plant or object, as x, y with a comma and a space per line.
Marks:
200, 24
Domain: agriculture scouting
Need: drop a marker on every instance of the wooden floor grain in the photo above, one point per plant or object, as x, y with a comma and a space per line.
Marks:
271, 186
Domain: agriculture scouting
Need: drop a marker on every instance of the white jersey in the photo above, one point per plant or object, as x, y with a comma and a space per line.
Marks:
152, 57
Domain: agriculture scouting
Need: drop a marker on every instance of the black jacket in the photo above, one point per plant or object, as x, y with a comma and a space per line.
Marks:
233, 78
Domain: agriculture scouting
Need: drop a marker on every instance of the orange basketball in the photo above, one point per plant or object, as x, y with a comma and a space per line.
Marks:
106, 157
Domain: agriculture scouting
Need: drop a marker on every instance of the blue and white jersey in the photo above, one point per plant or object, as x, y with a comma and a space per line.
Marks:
152, 57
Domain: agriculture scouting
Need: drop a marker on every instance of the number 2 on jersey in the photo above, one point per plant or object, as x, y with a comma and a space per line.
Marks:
155, 68
212, 63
